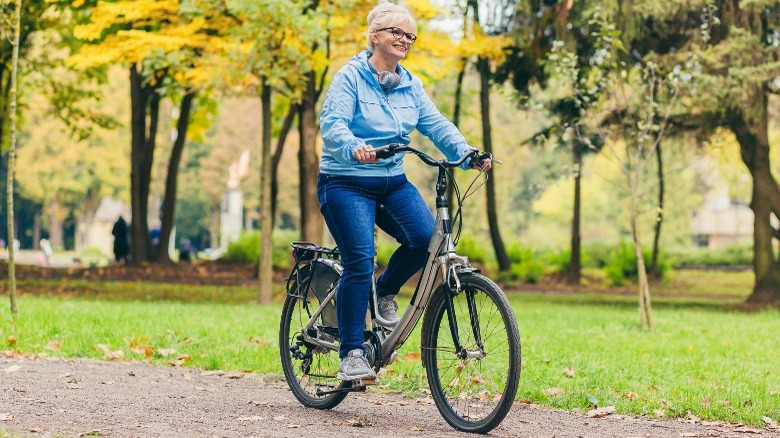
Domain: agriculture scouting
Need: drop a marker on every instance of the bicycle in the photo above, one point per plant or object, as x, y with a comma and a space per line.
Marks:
470, 344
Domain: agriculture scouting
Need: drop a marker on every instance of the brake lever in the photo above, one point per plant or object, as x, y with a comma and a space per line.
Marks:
386, 151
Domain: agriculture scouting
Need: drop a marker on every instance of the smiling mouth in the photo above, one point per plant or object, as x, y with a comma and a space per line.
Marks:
401, 48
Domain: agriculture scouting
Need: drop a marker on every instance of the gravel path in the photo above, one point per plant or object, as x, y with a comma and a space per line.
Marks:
56, 397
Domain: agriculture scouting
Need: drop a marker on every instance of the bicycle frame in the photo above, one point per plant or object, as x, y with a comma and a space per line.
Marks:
442, 259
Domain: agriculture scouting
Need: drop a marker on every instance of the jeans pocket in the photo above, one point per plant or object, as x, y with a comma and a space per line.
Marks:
322, 186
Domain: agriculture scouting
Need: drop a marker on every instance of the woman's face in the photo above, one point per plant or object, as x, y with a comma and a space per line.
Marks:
389, 46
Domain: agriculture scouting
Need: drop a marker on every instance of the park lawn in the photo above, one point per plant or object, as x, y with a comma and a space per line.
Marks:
702, 358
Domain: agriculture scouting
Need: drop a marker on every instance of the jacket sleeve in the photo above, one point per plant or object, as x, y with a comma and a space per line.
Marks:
443, 133
337, 112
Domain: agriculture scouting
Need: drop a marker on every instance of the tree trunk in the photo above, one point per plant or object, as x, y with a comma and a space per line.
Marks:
36, 231
645, 306
11, 159
139, 230
214, 228
450, 195
142, 97
277, 158
653, 271
265, 271
575, 260
754, 148
495, 235
312, 226
169, 204
55, 225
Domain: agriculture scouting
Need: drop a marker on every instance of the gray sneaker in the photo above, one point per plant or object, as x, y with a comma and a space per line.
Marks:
355, 367
388, 309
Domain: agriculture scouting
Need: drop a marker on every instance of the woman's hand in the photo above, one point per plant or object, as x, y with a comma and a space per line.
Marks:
365, 154
484, 165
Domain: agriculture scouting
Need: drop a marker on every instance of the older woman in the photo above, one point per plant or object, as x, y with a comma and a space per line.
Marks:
372, 102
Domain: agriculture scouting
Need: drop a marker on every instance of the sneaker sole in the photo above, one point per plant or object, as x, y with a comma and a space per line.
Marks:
342, 376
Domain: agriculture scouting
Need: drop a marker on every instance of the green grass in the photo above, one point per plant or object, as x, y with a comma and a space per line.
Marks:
704, 357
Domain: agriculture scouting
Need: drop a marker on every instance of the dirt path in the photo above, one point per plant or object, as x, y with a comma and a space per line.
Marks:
48, 397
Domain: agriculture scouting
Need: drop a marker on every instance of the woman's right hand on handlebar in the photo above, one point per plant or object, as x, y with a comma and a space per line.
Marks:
365, 154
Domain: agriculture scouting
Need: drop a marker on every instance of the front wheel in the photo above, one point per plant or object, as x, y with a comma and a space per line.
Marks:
473, 385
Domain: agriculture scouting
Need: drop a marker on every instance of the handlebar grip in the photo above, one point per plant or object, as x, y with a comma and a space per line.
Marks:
384, 151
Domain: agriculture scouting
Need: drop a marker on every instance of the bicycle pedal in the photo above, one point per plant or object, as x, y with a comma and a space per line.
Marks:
367, 382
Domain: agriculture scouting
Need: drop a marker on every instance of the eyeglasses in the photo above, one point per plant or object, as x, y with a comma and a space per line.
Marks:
399, 33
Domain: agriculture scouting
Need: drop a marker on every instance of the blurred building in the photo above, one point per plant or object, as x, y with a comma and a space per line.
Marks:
94, 231
721, 221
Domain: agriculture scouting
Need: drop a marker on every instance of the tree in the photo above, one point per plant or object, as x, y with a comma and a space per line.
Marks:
161, 43
629, 106
739, 61
16, 27
491, 18
273, 49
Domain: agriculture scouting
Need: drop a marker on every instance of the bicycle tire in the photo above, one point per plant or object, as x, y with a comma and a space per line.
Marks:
462, 386
321, 374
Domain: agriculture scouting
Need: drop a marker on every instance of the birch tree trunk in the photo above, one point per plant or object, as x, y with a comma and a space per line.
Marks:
265, 271
12, 159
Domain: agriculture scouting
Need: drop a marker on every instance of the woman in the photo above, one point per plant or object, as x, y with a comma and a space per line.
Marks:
372, 102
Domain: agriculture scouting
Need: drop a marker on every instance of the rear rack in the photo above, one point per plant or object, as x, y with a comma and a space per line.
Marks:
304, 251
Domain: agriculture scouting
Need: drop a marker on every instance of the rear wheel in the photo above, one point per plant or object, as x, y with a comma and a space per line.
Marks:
474, 386
309, 369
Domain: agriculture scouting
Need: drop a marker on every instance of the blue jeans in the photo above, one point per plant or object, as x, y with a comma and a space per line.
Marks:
351, 206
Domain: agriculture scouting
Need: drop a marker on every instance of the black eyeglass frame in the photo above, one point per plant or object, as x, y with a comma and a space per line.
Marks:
409, 36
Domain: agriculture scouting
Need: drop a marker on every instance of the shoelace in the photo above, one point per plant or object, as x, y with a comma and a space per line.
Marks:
389, 306
356, 361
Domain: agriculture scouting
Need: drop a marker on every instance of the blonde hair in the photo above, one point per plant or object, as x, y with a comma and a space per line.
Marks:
384, 15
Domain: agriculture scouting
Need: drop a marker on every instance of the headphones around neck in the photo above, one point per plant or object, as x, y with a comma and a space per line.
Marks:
387, 79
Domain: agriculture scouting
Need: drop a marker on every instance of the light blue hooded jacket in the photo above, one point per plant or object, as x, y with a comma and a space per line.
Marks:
357, 112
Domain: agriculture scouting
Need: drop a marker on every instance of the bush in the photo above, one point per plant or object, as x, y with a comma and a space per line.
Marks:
476, 251
384, 251
621, 264
247, 249
519, 253
530, 270
733, 255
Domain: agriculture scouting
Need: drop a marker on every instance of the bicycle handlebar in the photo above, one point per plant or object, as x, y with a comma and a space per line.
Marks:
393, 148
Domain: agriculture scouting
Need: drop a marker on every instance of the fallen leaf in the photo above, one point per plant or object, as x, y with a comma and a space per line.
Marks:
630, 395
251, 418
412, 356
690, 418
114, 355
659, 413
769, 422
165, 352
102, 347
359, 422
259, 342
12, 369
551, 392
569, 372
280, 418
600, 412
53, 345
417, 428
12, 340
404, 403
5, 416
181, 360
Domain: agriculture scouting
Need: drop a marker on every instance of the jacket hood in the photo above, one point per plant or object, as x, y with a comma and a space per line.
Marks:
360, 63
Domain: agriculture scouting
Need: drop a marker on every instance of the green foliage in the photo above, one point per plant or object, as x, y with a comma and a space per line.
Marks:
471, 247
247, 249
529, 270
621, 265
733, 255
384, 251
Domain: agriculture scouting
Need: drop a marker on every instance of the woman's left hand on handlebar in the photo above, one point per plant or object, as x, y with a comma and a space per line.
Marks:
484, 165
